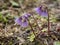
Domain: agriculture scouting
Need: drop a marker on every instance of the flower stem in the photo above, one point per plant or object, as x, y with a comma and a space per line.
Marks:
38, 26
36, 21
31, 27
48, 21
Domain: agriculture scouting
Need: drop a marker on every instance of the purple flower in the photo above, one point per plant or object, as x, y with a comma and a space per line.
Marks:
26, 15
41, 12
22, 21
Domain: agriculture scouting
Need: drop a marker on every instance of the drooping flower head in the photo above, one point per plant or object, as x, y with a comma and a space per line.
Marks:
41, 11
26, 15
22, 21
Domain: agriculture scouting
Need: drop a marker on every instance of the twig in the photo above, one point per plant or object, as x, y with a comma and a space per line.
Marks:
5, 11
46, 42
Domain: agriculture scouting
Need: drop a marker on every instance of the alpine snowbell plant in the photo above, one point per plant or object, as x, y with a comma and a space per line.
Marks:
41, 11
22, 21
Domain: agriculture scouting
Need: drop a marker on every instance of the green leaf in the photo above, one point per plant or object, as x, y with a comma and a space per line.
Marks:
4, 19
31, 38
14, 3
57, 43
44, 30
22, 1
1, 17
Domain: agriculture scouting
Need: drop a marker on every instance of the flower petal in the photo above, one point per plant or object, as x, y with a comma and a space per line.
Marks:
24, 24
44, 14
40, 12
26, 15
18, 21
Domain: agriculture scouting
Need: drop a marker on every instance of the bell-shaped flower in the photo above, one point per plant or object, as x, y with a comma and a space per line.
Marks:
41, 12
22, 21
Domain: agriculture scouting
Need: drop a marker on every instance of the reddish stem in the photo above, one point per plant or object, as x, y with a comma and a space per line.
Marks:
31, 27
36, 22
48, 22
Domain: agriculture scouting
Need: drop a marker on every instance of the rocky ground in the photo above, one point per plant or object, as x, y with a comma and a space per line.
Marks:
13, 34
